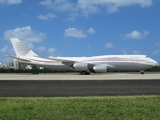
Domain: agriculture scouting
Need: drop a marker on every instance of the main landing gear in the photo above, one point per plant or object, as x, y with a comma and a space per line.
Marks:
83, 73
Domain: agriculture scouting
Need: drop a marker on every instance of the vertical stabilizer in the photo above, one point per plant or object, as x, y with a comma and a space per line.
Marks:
21, 49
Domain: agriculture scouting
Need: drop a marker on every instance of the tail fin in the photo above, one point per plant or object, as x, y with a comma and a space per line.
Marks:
21, 49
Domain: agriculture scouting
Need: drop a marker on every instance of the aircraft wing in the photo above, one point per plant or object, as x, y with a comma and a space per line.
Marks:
56, 59
61, 59
71, 62
64, 61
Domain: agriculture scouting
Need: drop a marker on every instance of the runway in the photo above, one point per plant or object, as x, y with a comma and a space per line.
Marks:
56, 88
119, 84
74, 76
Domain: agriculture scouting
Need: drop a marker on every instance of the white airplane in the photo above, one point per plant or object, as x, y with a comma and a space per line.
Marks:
84, 65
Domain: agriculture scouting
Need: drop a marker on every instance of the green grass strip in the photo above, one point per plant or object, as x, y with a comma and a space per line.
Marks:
80, 108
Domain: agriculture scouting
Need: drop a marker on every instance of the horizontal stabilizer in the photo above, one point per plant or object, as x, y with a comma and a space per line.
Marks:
19, 59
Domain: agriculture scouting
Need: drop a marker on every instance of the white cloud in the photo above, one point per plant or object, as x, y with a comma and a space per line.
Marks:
111, 5
4, 49
73, 32
29, 44
156, 52
46, 2
51, 50
10, 2
25, 34
124, 52
131, 51
48, 16
59, 5
71, 17
158, 38
109, 45
136, 52
62, 6
41, 49
89, 47
135, 35
157, 44
112, 9
91, 30
87, 7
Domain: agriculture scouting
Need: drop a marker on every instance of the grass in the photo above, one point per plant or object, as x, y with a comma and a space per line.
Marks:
81, 108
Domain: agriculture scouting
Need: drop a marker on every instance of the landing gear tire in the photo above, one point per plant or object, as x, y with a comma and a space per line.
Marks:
83, 73
142, 72
80, 73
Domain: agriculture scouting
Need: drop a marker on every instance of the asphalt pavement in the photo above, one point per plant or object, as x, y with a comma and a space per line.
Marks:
63, 88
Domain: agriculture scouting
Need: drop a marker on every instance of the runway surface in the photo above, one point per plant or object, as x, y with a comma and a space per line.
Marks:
48, 88
74, 76
118, 84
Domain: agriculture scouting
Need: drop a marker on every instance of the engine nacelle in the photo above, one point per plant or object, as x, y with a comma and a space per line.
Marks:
100, 69
80, 66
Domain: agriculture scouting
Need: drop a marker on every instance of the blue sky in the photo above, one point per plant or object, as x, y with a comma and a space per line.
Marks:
81, 27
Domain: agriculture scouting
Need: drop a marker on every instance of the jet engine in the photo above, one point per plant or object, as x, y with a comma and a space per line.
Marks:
100, 69
80, 66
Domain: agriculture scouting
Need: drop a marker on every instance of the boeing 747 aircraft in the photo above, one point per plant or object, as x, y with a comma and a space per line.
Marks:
84, 65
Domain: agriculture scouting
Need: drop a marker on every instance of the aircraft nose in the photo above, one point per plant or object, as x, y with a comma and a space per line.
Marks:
155, 63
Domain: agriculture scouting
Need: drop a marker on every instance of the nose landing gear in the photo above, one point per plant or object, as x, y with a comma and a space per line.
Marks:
142, 72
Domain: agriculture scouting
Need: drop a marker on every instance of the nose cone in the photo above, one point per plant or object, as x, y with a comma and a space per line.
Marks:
155, 63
